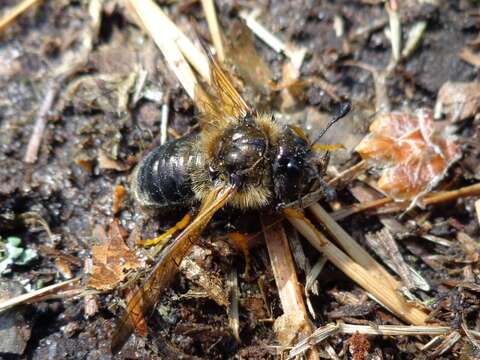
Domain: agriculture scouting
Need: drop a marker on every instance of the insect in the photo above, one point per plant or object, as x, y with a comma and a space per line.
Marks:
241, 157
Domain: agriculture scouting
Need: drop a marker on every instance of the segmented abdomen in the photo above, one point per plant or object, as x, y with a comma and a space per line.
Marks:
162, 178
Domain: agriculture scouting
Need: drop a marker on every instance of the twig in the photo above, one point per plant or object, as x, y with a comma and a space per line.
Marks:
33, 146
365, 31
438, 240
413, 39
384, 330
435, 198
261, 31
32, 296
385, 247
318, 336
470, 336
429, 199
381, 287
311, 281
434, 342
283, 266
211, 15
394, 330
356, 208
289, 289
15, 12
444, 196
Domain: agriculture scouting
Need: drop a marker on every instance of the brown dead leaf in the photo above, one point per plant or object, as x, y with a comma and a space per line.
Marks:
414, 155
111, 259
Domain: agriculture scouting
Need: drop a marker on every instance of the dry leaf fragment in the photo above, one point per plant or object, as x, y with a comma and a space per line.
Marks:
414, 155
111, 258
458, 100
105, 162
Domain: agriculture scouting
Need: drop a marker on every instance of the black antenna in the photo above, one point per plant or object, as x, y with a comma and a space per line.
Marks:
342, 110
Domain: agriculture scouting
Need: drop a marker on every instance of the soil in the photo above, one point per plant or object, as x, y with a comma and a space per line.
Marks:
93, 138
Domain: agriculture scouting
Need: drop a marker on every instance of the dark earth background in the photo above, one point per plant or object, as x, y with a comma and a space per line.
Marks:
57, 205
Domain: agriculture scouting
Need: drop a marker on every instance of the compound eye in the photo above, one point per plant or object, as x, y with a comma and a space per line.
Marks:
293, 169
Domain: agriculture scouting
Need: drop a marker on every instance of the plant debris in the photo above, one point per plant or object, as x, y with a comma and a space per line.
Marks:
111, 259
415, 156
87, 87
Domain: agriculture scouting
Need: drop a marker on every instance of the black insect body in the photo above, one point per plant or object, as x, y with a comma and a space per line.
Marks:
269, 164
162, 178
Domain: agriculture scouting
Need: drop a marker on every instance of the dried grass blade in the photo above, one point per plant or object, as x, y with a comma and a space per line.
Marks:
352, 248
324, 332
173, 44
367, 278
385, 246
318, 336
215, 32
34, 295
15, 12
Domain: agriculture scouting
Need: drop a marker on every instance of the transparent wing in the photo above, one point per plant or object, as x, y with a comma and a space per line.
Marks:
221, 103
230, 100
144, 300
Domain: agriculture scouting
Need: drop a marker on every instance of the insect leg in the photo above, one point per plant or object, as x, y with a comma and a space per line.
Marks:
327, 147
241, 241
162, 239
